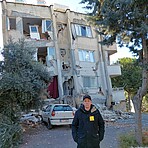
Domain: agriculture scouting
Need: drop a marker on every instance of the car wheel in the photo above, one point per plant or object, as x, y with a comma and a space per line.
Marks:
70, 125
49, 126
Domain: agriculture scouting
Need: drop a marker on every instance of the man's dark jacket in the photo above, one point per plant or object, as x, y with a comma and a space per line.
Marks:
88, 127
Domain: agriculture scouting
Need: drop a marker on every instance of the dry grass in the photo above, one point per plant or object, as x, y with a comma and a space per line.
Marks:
145, 137
128, 140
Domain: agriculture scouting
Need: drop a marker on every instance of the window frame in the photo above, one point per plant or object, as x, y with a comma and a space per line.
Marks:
9, 25
82, 53
44, 26
91, 83
34, 35
81, 30
51, 53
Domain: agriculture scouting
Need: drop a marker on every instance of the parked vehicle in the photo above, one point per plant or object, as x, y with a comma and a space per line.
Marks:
45, 103
57, 114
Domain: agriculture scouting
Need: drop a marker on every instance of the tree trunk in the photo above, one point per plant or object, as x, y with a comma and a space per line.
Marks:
137, 100
138, 123
129, 102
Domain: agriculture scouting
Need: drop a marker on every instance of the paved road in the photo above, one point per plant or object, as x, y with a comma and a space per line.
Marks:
60, 136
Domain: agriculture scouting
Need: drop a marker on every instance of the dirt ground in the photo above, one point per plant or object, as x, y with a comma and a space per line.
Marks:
61, 137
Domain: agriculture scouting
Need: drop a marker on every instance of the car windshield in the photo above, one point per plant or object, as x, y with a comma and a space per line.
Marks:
47, 109
62, 108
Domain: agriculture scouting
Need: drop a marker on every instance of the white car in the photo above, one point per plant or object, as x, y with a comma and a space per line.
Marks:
57, 114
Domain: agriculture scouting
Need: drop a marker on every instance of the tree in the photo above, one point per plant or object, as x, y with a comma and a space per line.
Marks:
145, 104
127, 23
22, 79
130, 78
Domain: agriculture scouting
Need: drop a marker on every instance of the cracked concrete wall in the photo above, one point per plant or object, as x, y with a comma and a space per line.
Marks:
20, 11
62, 39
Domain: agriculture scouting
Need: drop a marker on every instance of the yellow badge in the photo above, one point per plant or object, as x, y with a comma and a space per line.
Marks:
91, 118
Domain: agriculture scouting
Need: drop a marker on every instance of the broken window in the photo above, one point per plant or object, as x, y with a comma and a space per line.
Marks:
11, 23
81, 30
42, 55
47, 29
34, 34
46, 26
86, 55
51, 53
89, 81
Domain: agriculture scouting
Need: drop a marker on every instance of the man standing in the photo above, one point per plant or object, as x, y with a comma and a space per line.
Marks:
88, 125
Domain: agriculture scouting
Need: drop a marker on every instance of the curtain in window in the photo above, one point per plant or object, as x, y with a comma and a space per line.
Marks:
53, 88
88, 30
81, 30
92, 56
80, 52
43, 26
78, 30
73, 31
50, 53
8, 23
85, 55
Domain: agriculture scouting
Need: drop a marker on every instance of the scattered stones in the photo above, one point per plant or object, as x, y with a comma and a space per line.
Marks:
112, 116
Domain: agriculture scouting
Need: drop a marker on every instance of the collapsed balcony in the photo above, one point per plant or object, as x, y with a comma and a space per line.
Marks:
31, 29
37, 29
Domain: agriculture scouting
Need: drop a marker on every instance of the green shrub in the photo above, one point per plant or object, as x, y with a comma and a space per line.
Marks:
128, 140
10, 137
10, 133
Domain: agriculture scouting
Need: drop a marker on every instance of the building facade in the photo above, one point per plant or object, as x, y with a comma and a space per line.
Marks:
68, 46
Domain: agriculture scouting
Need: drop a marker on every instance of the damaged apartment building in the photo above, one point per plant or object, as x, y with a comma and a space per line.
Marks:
68, 46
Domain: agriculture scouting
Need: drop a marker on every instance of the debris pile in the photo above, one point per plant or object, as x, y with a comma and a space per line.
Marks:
32, 118
111, 115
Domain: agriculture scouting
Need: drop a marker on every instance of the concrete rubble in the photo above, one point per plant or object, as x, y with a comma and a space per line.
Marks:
112, 115
33, 118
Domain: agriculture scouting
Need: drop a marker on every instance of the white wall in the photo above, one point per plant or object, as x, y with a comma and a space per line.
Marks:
118, 94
